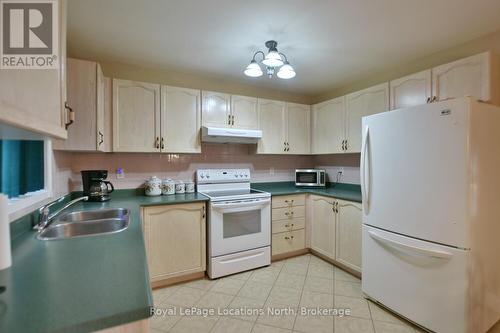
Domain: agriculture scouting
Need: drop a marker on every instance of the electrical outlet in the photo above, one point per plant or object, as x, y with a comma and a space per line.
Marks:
271, 171
120, 174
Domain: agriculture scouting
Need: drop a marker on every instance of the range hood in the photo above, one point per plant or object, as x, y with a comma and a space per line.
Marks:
229, 135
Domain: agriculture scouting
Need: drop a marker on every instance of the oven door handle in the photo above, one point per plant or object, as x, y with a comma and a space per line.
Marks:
257, 203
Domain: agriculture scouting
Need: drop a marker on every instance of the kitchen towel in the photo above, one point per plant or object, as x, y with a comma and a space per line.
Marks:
5, 251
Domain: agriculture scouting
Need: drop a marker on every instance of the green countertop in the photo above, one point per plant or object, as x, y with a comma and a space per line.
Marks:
90, 283
80, 284
349, 192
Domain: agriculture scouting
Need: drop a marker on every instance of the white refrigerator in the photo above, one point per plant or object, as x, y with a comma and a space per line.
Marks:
430, 182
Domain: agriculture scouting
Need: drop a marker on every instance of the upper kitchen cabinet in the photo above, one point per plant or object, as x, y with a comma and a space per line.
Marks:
136, 116
216, 109
285, 128
360, 104
34, 99
411, 90
328, 126
298, 128
86, 95
272, 124
473, 76
180, 120
244, 112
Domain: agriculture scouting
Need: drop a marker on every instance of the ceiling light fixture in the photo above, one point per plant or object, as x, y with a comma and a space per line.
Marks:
271, 61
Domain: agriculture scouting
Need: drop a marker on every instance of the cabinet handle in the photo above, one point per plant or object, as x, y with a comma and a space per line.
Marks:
101, 138
288, 213
434, 99
229, 119
289, 201
162, 145
71, 115
346, 145
428, 100
287, 238
232, 123
157, 143
284, 144
343, 145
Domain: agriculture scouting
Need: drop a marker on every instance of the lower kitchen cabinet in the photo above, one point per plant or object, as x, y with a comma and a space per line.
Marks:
175, 240
323, 226
336, 230
288, 224
349, 221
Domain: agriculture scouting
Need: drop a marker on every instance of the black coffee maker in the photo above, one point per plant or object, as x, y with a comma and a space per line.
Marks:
95, 186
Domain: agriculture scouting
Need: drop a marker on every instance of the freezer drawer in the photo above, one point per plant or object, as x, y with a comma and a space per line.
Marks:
421, 281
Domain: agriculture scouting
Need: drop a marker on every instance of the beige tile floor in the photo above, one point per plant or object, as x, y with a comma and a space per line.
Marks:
285, 287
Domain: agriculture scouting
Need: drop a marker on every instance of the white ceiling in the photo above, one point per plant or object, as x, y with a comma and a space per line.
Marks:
327, 41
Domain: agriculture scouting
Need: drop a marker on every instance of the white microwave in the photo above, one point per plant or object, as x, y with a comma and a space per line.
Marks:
310, 177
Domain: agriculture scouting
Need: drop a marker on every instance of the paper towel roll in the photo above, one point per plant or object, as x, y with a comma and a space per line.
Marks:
5, 250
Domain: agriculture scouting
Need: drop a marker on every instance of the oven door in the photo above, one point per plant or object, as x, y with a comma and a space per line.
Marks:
239, 225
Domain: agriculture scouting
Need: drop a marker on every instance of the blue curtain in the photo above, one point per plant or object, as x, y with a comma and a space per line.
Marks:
21, 167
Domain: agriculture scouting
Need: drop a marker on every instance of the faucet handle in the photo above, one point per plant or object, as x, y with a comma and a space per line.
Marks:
43, 217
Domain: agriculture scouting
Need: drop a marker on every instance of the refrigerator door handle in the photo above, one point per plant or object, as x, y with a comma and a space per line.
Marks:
416, 249
365, 171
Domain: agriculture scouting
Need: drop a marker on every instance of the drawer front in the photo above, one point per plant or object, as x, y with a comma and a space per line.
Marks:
288, 213
288, 241
289, 200
288, 225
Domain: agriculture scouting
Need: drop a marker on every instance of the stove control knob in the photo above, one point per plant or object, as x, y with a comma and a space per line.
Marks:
208, 176
235, 175
202, 176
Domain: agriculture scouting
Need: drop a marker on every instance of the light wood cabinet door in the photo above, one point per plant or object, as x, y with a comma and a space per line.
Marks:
410, 90
244, 112
349, 221
180, 120
216, 109
107, 145
470, 76
175, 241
272, 125
136, 116
328, 126
85, 94
360, 104
323, 226
298, 128
34, 99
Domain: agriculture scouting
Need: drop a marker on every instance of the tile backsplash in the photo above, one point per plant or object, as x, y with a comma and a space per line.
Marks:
139, 166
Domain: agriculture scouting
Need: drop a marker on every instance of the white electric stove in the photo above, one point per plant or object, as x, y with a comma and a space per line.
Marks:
239, 221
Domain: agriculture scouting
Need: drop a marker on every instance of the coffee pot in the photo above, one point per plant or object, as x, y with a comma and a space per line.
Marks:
95, 186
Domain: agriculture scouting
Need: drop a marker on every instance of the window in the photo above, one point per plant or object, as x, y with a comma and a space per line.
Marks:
22, 167
25, 174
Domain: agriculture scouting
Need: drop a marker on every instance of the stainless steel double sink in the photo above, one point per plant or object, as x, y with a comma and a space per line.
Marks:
87, 223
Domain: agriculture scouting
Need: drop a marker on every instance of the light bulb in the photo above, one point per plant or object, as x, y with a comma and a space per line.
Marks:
253, 69
273, 59
286, 72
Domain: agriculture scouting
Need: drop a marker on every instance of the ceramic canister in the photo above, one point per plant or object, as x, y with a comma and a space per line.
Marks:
180, 187
168, 186
189, 186
152, 186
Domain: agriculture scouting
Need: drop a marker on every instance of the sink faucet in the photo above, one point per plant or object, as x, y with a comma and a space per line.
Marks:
45, 218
